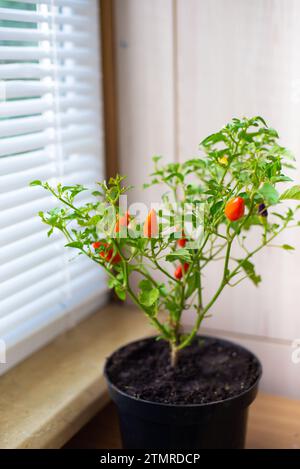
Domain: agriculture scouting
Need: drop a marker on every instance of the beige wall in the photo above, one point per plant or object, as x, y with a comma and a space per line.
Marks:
186, 67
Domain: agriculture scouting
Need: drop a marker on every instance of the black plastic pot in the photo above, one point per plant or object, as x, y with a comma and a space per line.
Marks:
150, 425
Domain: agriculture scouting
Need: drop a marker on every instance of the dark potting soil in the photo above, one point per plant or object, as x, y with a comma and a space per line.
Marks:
208, 370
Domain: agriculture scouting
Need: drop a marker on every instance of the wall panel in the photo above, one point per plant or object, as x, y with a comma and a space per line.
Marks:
145, 88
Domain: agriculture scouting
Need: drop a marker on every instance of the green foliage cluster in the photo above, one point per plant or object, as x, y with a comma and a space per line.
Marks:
243, 159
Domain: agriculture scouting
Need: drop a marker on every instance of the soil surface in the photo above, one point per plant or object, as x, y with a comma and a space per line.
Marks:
207, 371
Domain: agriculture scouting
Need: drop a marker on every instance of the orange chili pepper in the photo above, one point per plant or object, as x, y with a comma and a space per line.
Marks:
151, 225
235, 208
122, 222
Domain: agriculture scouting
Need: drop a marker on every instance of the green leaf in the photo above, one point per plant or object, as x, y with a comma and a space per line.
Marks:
269, 193
288, 247
145, 285
35, 183
180, 254
74, 244
272, 132
278, 215
175, 175
194, 163
193, 283
172, 307
249, 269
216, 207
149, 297
112, 282
97, 194
94, 220
259, 118
120, 293
281, 178
212, 139
163, 289
155, 158
288, 165
293, 193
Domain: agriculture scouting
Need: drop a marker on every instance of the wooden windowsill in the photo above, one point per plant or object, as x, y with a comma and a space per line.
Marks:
50, 396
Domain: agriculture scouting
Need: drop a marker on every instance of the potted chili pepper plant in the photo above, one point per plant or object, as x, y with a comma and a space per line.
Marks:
180, 389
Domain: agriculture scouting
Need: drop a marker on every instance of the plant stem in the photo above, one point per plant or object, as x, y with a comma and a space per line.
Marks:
174, 355
202, 313
132, 295
200, 300
165, 272
66, 202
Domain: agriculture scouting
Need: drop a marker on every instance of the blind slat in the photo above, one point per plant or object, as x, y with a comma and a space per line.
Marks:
24, 16
23, 178
11, 215
12, 127
28, 106
29, 244
14, 233
46, 103
31, 276
39, 70
36, 53
27, 125
18, 163
30, 260
22, 213
14, 302
63, 3
38, 140
50, 301
25, 143
24, 89
25, 194
35, 35
39, 286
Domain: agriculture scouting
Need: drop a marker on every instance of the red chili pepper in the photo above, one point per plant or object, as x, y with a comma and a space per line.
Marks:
151, 225
179, 272
182, 241
122, 222
235, 208
107, 253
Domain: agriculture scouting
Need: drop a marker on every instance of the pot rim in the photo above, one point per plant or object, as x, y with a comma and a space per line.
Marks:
185, 406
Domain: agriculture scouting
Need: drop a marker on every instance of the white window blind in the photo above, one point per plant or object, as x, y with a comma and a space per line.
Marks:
50, 129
